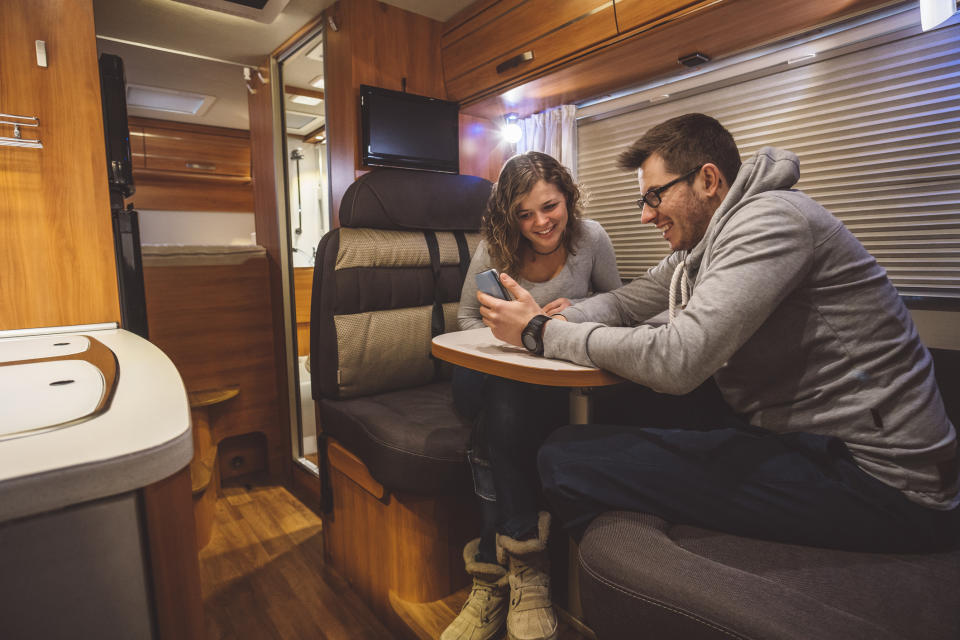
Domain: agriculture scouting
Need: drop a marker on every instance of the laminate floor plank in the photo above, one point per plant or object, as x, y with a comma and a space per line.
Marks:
263, 575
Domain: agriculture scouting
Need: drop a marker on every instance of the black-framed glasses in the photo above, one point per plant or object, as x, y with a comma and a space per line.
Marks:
652, 197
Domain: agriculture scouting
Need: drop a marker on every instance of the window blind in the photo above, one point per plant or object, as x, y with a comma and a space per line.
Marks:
877, 132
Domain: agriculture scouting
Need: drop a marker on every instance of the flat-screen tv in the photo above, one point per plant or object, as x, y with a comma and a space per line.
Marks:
409, 131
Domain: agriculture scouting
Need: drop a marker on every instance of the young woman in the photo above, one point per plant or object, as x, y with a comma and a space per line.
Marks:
532, 231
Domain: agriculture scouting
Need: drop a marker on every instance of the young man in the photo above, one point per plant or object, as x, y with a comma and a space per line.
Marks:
836, 434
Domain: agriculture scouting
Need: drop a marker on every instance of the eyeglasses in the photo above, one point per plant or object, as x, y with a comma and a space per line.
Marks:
652, 197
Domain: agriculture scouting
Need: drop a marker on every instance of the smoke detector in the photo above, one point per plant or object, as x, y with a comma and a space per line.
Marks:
265, 11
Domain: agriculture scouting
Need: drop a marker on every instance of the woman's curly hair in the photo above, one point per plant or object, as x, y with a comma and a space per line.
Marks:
501, 227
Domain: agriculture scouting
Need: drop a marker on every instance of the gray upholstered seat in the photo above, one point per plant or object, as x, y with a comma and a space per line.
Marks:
384, 282
642, 577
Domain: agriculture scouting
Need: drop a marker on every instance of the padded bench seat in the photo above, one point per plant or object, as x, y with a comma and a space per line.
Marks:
644, 577
411, 440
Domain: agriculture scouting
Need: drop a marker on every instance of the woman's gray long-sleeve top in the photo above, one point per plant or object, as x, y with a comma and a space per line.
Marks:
592, 269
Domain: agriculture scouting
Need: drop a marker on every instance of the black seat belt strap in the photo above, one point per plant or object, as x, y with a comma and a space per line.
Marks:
464, 251
436, 317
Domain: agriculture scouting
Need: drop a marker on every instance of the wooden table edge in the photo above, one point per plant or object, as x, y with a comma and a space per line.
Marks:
521, 373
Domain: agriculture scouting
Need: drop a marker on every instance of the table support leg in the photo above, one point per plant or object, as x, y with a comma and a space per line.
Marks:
580, 413
580, 407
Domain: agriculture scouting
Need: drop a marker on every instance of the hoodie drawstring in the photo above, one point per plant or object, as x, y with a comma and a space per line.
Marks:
678, 281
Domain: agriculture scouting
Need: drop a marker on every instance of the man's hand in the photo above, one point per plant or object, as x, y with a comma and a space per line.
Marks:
507, 318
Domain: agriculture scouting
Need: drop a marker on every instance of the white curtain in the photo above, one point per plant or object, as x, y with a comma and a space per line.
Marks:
553, 132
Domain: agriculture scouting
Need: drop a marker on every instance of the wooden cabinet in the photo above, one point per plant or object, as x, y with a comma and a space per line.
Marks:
57, 265
632, 14
186, 167
653, 36
191, 151
511, 39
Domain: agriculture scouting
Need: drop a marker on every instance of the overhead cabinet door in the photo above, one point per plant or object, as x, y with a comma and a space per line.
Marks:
632, 14
193, 152
514, 38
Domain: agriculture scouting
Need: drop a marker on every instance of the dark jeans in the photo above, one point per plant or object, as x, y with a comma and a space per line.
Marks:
800, 488
511, 420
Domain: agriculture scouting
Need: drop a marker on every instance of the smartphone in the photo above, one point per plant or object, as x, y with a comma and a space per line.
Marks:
489, 282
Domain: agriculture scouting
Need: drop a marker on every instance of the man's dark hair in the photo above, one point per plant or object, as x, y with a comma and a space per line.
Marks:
685, 142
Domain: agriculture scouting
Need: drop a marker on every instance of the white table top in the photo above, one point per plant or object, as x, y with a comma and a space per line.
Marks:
144, 435
478, 349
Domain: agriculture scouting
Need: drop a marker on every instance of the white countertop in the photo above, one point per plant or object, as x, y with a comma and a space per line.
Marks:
143, 436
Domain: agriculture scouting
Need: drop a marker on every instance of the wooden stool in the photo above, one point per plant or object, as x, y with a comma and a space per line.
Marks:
203, 467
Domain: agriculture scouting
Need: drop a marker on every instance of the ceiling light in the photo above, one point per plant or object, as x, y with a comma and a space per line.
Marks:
317, 82
804, 57
301, 122
167, 100
511, 131
307, 100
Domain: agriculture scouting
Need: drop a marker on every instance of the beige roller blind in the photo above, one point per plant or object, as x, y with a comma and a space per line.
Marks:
878, 136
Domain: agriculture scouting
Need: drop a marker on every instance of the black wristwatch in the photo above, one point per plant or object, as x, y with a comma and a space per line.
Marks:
532, 336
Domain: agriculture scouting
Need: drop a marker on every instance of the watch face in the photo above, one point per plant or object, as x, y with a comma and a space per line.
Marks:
529, 341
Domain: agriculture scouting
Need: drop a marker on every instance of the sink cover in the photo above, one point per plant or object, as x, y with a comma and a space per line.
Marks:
53, 381
48, 393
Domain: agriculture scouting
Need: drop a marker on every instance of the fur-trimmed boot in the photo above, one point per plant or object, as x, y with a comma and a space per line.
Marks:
483, 614
531, 615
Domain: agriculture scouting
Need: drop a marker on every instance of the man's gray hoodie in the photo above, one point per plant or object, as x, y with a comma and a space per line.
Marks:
798, 325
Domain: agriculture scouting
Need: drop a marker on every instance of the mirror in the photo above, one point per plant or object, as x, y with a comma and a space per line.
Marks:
305, 152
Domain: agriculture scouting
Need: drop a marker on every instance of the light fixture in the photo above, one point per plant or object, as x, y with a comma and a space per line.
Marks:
511, 131
934, 13
167, 100
694, 59
801, 58
317, 82
307, 100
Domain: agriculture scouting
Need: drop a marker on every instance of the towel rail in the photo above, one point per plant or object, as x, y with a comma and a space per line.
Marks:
17, 122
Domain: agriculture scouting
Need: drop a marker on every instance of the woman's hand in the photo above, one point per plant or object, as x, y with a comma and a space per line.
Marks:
556, 306
507, 318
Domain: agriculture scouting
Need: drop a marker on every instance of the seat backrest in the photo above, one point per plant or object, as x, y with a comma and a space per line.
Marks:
389, 279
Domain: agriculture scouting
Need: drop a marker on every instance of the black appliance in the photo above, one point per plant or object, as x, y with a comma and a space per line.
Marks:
126, 225
404, 130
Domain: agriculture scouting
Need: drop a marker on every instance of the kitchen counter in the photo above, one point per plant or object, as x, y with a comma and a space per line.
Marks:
142, 437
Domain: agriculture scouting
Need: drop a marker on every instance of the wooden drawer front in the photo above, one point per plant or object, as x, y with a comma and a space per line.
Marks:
138, 156
563, 28
637, 13
191, 152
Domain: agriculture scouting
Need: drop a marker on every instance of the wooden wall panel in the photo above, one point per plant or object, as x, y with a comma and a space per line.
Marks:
214, 324
191, 194
260, 107
303, 292
174, 565
404, 546
57, 263
380, 45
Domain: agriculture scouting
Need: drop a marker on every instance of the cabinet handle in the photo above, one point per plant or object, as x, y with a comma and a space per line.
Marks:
515, 61
202, 166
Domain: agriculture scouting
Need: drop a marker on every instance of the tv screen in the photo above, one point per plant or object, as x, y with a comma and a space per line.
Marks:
409, 131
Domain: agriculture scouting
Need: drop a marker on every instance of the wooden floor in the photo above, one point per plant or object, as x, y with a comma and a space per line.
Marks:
263, 577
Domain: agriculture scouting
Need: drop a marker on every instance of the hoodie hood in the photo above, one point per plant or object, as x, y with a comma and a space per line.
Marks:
769, 169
